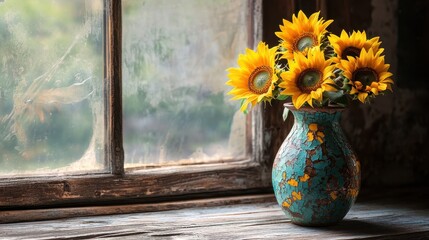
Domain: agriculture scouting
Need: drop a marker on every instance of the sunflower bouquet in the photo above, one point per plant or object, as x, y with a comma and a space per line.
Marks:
312, 66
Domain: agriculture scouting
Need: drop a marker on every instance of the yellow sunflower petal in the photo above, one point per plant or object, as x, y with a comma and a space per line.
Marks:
309, 100
362, 97
353, 91
301, 33
300, 100
374, 90
382, 86
307, 77
327, 85
369, 65
385, 75
317, 95
254, 79
351, 45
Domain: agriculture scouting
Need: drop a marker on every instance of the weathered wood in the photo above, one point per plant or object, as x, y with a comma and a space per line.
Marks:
114, 151
60, 213
378, 219
137, 186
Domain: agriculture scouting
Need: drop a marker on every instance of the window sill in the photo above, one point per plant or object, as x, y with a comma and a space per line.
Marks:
398, 214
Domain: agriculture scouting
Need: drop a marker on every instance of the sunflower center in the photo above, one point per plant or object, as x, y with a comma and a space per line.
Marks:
305, 41
350, 51
309, 80
260, 80
365, 75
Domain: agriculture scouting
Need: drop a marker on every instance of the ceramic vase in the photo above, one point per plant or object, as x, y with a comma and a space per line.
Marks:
316, 175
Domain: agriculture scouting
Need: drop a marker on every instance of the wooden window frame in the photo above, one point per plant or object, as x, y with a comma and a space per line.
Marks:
249, 175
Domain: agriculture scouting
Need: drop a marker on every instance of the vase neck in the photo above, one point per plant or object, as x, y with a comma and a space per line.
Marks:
321, 117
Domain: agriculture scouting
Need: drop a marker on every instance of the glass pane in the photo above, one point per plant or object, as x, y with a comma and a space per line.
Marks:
175, 55
51, 95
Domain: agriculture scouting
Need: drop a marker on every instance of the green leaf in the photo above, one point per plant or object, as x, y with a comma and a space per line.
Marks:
325, 101
333, 95
334, 86
282, 97
342, 101
347, 87
241, 104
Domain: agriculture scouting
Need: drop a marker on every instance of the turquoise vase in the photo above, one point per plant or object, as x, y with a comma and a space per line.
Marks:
316, 175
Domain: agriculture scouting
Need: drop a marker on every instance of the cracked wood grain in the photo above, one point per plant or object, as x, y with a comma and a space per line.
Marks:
396, 217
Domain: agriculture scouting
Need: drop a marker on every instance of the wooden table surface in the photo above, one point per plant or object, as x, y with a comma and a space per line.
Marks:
405, 217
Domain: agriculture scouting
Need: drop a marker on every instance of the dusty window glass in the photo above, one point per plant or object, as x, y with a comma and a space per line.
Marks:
175, 55
51, 82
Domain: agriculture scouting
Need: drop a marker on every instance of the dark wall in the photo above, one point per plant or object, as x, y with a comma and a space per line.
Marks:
390, 134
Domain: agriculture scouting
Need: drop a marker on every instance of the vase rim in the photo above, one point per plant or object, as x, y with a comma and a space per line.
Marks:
328, 109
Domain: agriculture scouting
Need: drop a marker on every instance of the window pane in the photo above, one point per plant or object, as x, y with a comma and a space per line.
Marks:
174, 96
51, 65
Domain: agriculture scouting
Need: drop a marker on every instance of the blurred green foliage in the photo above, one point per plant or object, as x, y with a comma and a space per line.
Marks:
174, 60
47, 46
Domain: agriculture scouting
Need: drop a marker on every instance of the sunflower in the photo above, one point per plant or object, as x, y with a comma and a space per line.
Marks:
254, 80
302, 33
368, 74
308, 77
352, 45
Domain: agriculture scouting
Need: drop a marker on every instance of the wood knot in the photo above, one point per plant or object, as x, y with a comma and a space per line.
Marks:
66, 187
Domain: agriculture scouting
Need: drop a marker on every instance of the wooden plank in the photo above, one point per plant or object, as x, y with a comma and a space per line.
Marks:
136, 187
60, 213
378, 219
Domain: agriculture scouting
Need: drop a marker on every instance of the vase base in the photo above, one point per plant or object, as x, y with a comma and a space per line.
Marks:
316, 224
